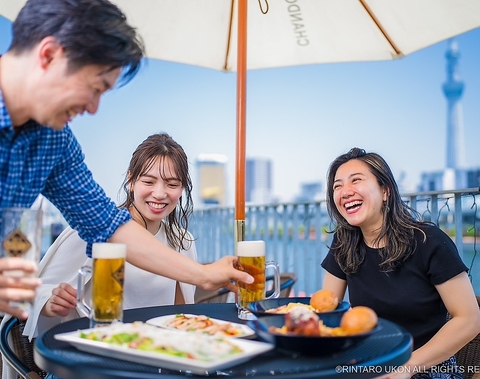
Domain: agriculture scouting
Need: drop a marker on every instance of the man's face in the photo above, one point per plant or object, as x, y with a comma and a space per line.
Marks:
64, 95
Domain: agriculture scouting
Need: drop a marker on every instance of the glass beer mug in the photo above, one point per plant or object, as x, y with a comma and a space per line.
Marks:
251, 259
108, 270
20, 236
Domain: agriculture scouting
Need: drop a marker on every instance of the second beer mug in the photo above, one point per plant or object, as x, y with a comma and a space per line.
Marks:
106, 303
20, 236
251, 259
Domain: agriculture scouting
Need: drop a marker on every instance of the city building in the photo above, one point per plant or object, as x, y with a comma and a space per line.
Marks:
212, 179
258, 181
310, 192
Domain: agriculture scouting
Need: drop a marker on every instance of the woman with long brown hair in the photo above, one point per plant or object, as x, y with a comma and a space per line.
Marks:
407, 270
157, 190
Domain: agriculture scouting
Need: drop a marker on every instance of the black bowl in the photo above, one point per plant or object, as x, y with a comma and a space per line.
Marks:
331, 318
305, 345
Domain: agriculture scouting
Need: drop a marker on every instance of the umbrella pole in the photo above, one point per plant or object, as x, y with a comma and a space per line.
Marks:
241, 122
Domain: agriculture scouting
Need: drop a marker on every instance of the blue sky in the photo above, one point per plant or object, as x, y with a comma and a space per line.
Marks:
300, 117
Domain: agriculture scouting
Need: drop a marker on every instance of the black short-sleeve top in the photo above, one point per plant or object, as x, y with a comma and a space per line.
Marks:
407, 295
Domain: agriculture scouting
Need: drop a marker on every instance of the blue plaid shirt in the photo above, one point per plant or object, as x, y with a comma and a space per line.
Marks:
40, 160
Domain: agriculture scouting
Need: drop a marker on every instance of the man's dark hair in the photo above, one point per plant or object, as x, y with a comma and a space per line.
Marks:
91, 32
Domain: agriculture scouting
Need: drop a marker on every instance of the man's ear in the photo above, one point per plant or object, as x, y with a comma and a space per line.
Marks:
48, 50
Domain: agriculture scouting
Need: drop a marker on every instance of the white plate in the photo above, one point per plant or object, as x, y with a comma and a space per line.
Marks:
243, 330
161, 360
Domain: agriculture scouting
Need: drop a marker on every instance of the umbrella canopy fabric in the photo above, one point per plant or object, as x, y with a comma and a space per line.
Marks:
292, 32
213, 34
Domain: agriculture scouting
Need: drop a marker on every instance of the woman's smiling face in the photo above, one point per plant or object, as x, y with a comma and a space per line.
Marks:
358, 196
156, 192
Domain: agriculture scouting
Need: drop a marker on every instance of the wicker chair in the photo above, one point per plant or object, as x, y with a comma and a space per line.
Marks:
17, 350
468, 357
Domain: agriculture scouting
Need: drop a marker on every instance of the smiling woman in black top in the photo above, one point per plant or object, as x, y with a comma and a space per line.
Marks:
407, 270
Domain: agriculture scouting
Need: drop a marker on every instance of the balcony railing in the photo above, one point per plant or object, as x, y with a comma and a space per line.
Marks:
297, 234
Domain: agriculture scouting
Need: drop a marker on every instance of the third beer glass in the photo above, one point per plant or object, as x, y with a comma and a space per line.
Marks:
251, 258
21, 236
107, 284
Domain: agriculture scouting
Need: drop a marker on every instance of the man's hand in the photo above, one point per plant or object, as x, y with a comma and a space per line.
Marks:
222, 273
17, 288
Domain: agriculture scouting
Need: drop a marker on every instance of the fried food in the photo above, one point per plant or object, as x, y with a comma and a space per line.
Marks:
324, 301
321, 301
302, 321
358, 320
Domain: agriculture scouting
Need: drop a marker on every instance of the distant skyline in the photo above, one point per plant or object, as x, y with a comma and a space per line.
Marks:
301, 118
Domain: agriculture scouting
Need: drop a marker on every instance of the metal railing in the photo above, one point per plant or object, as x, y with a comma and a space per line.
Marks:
297, 234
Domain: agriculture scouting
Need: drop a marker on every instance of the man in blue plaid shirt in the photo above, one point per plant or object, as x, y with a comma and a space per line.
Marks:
64, 55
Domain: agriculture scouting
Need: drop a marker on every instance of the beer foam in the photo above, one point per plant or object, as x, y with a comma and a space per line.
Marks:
250, 248
107, 250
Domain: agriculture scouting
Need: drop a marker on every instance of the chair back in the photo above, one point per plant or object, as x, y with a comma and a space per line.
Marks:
217, 296
17, 350
287, 280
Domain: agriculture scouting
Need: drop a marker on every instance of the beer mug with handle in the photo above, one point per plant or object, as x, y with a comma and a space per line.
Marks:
21, 236
108, 270
251, 258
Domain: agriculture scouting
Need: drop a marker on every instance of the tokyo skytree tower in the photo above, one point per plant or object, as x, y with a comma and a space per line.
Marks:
453, 90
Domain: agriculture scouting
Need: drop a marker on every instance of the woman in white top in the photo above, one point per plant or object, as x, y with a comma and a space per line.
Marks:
158, 195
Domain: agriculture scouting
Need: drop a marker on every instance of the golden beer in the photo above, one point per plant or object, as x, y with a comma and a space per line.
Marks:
251, 259
255, 291
108, 273
107, 289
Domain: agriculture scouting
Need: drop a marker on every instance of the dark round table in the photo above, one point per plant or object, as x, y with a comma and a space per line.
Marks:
391, 346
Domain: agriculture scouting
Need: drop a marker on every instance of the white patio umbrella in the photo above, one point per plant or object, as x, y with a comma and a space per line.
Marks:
213, 34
